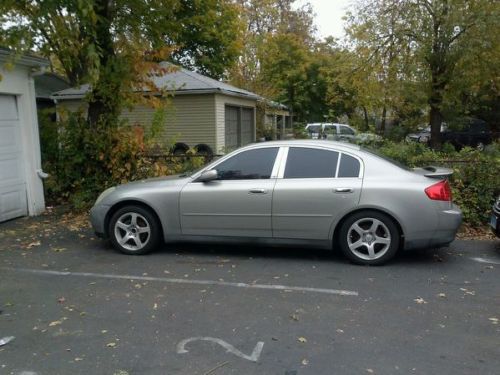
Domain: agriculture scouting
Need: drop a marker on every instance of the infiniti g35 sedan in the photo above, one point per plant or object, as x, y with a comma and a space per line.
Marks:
310, 193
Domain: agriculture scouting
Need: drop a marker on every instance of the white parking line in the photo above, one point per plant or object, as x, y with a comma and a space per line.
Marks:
485, 260
185, 281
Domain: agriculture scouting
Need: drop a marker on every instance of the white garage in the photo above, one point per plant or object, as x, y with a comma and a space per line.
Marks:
21, 188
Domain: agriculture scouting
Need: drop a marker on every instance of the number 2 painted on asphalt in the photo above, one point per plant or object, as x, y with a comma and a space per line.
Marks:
254, 357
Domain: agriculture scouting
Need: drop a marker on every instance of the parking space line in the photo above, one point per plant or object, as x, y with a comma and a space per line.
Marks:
485, 260
185, 281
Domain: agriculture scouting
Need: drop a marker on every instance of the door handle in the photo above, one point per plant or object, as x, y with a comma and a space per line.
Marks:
257, 191
343, 190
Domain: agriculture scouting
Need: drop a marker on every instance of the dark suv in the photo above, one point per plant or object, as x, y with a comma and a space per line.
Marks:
463, 132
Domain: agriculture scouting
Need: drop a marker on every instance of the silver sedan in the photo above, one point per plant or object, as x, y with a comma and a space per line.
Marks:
312, 193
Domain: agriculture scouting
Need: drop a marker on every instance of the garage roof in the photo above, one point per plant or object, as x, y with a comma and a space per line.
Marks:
26, 59
181, 81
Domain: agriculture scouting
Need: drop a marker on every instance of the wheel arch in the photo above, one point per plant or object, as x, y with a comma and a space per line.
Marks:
130, 202
396, 222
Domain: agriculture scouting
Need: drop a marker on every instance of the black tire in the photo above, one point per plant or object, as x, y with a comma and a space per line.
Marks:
136, 233
386, 232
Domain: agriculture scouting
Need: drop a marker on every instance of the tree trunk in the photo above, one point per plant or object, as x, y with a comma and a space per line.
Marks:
104, 101
382, 123
366, 125
438, 84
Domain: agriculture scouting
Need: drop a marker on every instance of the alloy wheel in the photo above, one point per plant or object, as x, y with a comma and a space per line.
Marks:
368, 238
132, 231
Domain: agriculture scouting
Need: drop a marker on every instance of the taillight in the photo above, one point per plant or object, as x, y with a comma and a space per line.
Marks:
440, 191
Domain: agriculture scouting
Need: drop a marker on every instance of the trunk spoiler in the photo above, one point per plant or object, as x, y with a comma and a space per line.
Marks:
434, 172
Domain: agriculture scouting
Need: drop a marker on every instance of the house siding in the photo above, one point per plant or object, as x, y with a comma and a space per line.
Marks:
220, 116
190, 119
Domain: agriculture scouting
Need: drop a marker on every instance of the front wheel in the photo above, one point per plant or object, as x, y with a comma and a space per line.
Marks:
369, 237
134, 230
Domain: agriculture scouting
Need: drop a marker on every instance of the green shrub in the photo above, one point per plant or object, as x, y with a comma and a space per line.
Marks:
476, 179
83, 161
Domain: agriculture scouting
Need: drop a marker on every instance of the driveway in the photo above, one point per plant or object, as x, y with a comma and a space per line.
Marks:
75, 306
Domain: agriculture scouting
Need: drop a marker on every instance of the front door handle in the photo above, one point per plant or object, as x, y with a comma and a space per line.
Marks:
257, 191
343, 190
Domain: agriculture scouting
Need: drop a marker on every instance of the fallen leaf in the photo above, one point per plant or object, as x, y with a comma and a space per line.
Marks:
33, 244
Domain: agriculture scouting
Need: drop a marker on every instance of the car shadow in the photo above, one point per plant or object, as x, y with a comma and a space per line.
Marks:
282, 252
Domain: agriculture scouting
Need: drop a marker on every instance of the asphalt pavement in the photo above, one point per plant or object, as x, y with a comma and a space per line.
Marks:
75, 306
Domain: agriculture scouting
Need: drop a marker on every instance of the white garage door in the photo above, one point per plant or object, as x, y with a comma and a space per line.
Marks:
13, 201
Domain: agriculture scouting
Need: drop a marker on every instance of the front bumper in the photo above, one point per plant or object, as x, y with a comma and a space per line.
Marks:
98, 219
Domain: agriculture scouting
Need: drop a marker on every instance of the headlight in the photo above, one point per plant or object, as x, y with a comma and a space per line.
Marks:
104, 194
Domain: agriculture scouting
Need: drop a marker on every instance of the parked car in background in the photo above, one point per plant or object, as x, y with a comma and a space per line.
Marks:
313, 193
330, 131
495, 218
460, 133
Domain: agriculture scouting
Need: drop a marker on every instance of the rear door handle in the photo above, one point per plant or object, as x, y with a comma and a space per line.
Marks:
257, 191
343, 190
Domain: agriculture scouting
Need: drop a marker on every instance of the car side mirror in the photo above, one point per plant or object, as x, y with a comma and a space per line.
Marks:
208, 176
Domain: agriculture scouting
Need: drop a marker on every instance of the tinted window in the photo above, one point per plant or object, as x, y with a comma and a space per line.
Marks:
310, 163
248, 165
346, 130
313, 129
349, 166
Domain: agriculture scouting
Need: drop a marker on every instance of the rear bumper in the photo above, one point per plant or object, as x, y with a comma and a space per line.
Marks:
448, 223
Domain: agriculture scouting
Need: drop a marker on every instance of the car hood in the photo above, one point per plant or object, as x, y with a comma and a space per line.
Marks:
142, 188
164, 180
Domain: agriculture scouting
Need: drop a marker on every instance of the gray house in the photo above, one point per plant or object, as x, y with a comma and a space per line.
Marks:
205, 114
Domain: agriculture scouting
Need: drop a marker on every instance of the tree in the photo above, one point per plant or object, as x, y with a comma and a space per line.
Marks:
115, 45
278, 42
432, 37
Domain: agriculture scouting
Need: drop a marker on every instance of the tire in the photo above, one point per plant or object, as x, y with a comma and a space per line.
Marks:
134, 230
369, 238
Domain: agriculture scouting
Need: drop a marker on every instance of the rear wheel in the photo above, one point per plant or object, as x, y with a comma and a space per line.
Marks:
369, 237
134, 230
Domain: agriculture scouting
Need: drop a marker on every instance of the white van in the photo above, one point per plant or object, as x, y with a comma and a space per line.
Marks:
331, 131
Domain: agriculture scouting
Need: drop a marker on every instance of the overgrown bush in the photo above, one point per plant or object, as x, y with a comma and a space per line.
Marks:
82, 161
476, 179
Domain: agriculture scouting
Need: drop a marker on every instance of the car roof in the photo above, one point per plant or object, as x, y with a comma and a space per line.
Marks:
307, 142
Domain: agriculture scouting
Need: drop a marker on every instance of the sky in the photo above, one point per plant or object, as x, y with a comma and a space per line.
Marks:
328, 16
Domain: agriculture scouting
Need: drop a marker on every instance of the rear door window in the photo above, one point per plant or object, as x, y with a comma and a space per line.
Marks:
349, 166
310, 163
346, 130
